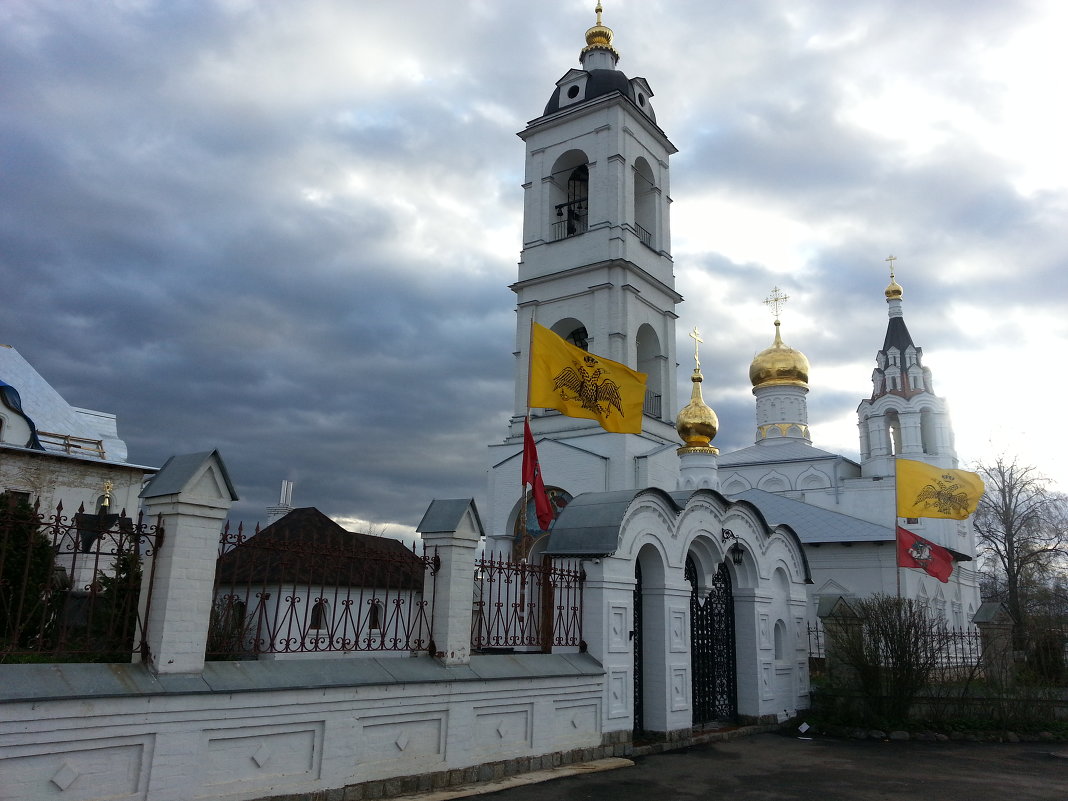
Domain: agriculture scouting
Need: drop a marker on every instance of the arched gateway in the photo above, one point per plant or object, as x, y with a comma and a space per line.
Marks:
683, 593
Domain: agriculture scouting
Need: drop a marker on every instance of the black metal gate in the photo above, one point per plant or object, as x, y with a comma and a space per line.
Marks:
636, 644
712, 664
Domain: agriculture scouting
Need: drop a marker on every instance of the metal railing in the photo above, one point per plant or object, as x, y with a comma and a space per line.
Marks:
70, 587
645, 236
308, 592
950, 650
573, 226
73, 445
652, 404
531, 607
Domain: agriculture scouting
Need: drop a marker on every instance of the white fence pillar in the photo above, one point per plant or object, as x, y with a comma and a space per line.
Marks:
193, 494
452, 530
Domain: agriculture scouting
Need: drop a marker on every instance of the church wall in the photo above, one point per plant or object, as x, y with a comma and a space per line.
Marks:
52, 478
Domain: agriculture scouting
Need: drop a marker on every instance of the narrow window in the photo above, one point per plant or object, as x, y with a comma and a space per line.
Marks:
318, 614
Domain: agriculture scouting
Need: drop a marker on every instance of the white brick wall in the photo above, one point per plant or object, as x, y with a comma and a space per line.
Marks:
248, 744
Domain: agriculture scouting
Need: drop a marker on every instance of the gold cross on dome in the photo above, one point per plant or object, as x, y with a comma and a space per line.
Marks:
696, 336
775, 301
891, 258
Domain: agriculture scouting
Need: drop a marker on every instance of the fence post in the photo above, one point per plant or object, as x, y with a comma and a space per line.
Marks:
452, 530
193, 494
995, 625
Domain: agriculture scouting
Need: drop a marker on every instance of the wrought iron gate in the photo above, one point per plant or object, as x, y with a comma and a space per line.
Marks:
636, 644
712, 664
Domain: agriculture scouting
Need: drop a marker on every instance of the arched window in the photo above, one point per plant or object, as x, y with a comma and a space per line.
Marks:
318, 614
570, 194
572, 331
780, 640
928, 432
893, 431
651, 362
644, 202
374, 615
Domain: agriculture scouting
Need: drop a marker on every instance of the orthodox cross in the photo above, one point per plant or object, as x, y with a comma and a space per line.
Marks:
696, 336
891, 258
775, 301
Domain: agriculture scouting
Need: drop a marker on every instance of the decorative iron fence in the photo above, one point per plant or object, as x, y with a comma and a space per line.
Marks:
952, 651
520, 606
70, 587
309, 591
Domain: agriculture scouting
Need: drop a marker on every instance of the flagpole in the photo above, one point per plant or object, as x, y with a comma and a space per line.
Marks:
524, 534
897, 542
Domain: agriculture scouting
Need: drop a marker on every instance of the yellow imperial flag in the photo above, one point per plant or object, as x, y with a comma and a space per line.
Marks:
924, 490
579, 384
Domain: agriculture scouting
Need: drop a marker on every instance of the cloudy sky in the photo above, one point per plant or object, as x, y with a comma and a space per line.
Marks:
286, 229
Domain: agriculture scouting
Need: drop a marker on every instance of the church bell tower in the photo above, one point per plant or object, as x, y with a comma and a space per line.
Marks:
596, 269
903, 417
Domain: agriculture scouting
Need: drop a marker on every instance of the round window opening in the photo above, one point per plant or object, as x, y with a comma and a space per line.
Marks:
641, 99
573, 92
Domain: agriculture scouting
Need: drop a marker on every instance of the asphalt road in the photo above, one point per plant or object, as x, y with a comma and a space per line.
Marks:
771, 767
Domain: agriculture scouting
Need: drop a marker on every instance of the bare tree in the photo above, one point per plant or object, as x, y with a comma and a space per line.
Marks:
1022, 529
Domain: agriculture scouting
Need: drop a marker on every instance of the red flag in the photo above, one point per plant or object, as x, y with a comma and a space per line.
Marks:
532, 476
914, 551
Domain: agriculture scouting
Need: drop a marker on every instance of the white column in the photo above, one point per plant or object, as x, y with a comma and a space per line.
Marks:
453, 588
184, 577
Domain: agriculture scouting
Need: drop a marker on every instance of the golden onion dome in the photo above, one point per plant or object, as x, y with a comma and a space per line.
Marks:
893, 290
779, 365
697, 424
599, 37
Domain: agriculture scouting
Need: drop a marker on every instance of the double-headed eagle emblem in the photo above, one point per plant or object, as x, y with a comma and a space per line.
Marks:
944, 496
598, 395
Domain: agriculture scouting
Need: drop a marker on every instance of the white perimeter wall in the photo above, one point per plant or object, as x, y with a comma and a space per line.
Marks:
246, 730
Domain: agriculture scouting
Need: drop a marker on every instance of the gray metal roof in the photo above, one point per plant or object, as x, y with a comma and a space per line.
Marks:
445, 515
51, 413
792, 451
178, 471
812, 523
589, 524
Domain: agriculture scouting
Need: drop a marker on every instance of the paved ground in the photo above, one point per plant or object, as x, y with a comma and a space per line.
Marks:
772, 767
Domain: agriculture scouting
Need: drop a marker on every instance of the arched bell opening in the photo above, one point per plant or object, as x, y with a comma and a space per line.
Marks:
651, 361
645, 196
570, 195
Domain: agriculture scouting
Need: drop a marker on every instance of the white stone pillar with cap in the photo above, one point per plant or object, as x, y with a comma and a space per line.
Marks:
192, 493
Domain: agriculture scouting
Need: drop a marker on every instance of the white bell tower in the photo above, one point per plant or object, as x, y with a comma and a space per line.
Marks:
595, 268
903, 417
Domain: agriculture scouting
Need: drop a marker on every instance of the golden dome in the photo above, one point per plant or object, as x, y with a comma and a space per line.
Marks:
893, 290
599, 37
779, 365
697, 424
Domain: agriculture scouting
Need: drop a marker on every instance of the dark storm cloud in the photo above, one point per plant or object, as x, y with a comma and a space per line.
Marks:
287, 230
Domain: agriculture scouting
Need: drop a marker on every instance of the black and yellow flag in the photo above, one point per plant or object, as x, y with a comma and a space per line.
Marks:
924, 490
579, 384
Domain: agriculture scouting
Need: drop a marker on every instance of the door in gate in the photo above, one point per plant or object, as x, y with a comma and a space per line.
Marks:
712, 664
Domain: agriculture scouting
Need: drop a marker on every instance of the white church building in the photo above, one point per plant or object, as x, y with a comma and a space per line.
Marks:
713, 565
